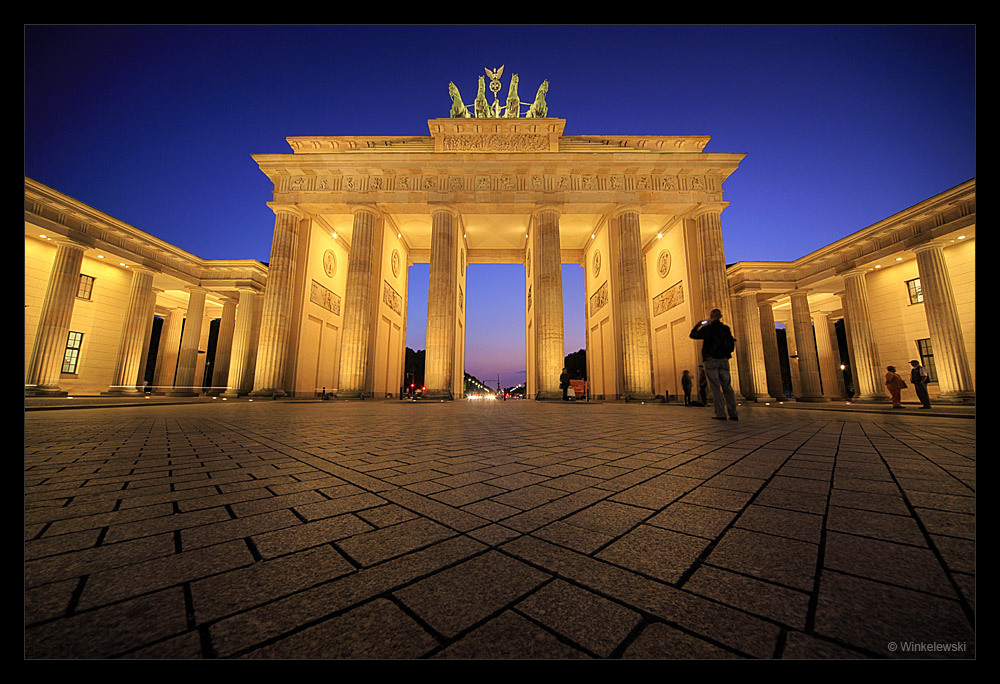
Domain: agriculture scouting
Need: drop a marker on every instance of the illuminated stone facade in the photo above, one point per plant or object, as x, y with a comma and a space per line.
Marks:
641, 215
905, 289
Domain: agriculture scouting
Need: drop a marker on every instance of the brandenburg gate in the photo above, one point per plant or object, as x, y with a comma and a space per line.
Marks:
490, 184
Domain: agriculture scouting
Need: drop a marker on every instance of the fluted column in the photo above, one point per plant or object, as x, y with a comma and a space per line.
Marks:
827, 357
868, 378
793, 357
278, 306
714, 285
808, 360
132, 342
630, 298
750, 346
947, 342
166, 354
772, 360
441, 305
550, 349
224, 348
49, 347
187, 360
241, 365
360, 298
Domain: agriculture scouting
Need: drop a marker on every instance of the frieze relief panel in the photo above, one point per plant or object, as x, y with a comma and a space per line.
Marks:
325, 298
493, 142
668, 299
391, 298
388, 182
599, 298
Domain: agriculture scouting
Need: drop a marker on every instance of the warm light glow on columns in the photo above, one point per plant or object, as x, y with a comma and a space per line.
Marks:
442, 303
808, 360
224, 347
187, 359
867, 376
750, 346
947, 342
631, 311
241, 364
132, 350
278, 306
550, 348
772, 360
360, 300
714, 285
53, 323
166, 355
827, 358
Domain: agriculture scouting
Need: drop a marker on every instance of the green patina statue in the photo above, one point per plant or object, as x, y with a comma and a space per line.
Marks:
538, 108
458, 108
513, 110
482, 105
484, 110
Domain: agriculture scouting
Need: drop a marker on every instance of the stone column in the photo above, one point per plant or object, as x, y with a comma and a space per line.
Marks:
868, 378
632, 317
441, 303
49, 348
808, 360
224, 348
827, 358
241, 364
750, 344
278, 305
360, 298
793, 357
772, 361
166, 355
187, 359
947, 342
714, 284
132, 348
550, 349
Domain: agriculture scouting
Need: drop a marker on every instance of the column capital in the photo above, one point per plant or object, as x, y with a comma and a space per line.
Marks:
546, 208
625, 209
927, 246
281, 208
445, 208
368, 208
702, 209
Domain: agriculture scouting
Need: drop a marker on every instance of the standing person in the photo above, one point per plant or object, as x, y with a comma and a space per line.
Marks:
895, 385
564, 384
702, 386
919, 380
716, 349
686, 383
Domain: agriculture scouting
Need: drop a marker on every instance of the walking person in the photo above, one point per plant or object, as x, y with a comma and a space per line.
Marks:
919, 379
717, 348
686, 383
895, 385
564, 384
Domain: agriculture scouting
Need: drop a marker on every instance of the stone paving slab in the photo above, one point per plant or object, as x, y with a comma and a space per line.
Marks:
488, 530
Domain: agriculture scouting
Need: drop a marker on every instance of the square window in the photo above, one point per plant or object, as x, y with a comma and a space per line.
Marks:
913, 288
926, 354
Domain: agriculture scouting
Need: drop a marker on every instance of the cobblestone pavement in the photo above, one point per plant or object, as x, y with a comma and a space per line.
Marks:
496, 530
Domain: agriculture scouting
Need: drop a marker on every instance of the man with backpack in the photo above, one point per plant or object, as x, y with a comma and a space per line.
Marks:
717, 348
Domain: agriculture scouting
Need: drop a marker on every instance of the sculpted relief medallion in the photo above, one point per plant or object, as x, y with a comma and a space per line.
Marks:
463, 262
663, 263
329, 263
395, 263
596, 264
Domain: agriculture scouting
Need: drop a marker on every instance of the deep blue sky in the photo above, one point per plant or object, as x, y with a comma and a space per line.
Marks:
842, 126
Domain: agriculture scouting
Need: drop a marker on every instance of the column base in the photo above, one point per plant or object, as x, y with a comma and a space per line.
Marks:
548, 395
45, 392
815, 400
267, 394
869, 399
955, 398
120, 392
444, 395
